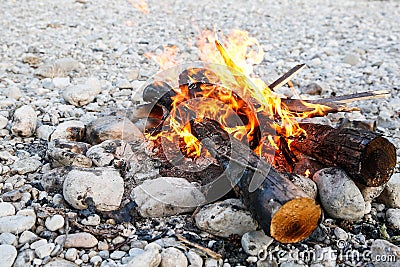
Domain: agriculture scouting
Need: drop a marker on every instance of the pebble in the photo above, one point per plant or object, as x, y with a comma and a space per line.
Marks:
55, 222
105, 254
224, 218
8, 254
369, 194
25, 166
312, 89
123, 84
391, 193
210, 262
380, 248
12, 196
44, 132
45, 250
96, 260
112, 128
16, 223
8, 239
351, 59
339, 195
61, 82
38, 243
77, 240
6, 209
71, 254
100, 154
166, 196
24, 258
195, 259
149, 258
117, 254
340, 234
59, 68
103, 186
306, 184
60, 263
82, 94
27, 237
24, 121
69, 130
393, 218
92, 220
173, 257
3, 122
255, 241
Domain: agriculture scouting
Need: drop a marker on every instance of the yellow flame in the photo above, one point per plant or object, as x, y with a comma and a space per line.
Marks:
167, 58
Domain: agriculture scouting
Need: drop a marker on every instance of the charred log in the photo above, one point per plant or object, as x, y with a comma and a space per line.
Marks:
366, 156
283, 210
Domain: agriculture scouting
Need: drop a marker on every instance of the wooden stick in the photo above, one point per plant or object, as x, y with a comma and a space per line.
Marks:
208, 251
286, 77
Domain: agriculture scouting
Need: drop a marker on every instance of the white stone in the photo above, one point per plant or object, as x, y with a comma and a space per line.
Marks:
8, 239
149, 258
26, 165
60, 263
77, 240
255, 241
38, 243
166, 196
45, 250
27, 237
3, 122
69, 130
61, 82
391, 193
393, 218
71, 254
44, 132
82, 94
92, 220
8, 254
16, 223
24, 121
340, 233
351, 59
55, 222
225, 218
117, 254
104, 186
340, 197
6, 209
173, 257
195, 259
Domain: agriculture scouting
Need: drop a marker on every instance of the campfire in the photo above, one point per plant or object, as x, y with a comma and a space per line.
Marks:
217, 111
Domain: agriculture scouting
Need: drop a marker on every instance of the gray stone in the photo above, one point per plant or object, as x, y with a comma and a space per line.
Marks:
24, 121
53, 180
61, 82
92, 220
381, 248
77, 240
117, 254
112, 128
255, 241
210, 262
24, 258
96, 260
339, 195
166, 196
16, 223
391, 193
173, 257
312, 89
71, 254
38, 243
6, 209
55, 222
59, 68
60, 263
351, 59
27, 237
393, 218
369, 193
8, 239
103, 187
225, 218
195, 259
340, 234
132, 74
123, 84
102, 154
149, 258
69, 130
82, 94
3, 122
44, 132
26, 165
306, 184
8, 254
13, 93
60, 157
12, 196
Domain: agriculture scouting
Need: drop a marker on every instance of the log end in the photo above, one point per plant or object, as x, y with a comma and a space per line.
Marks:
295, 220
378, 162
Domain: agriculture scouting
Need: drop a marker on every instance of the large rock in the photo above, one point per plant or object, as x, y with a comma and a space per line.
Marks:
68, 153
26, 165
225, 218
103, 187
59, 68
391, 193
77, 240
16, 223
8, 254
173, 257
82, 94
339, 195
166, 196
103, 154
6, 209
384, 254
53, 180
60, 263
24, 121
69, 130
112, 128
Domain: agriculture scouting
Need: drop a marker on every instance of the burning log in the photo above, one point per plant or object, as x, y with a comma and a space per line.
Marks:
283, 210
366, 156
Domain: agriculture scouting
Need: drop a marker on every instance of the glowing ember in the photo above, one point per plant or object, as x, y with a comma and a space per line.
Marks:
140, 5
307, 173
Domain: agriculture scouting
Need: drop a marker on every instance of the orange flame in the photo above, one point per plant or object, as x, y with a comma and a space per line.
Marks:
140, 5
165, 59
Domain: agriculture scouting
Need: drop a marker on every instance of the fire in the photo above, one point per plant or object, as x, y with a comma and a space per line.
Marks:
233, 95
140, 5
307, 173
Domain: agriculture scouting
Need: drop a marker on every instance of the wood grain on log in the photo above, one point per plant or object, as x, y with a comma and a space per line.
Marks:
366, 156
283, 210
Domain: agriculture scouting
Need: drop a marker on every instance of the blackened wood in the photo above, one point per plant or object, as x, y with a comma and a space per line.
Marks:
286, 77
366, 156
282, 210
159, 93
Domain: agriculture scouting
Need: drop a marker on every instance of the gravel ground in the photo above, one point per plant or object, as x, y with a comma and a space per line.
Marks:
348, 46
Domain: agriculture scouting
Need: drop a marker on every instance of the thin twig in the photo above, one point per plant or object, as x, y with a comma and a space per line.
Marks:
208, 251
